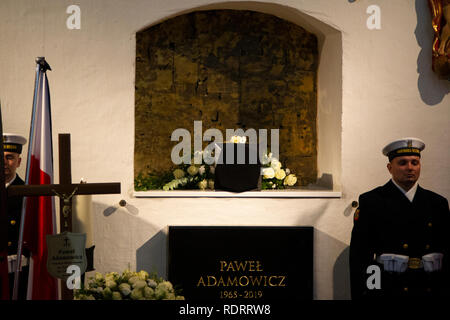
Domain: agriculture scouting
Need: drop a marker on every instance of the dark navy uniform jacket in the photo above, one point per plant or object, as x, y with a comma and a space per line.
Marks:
14, 212
387, 222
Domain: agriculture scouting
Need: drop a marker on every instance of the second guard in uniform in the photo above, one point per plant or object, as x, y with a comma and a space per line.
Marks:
12, 144
404, 230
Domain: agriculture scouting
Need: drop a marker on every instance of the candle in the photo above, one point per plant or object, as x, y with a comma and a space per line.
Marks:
82, 217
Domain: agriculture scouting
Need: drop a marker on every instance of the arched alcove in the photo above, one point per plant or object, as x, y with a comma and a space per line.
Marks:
196, 69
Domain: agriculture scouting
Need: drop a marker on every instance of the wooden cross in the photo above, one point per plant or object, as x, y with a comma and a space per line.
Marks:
65, 187
65, 190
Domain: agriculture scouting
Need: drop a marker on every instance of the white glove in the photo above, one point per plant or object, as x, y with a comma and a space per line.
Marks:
400, 263
432, 262
387, 259
394, 262
12, 263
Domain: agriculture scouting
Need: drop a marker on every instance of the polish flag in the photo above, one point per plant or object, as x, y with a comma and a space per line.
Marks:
40, 211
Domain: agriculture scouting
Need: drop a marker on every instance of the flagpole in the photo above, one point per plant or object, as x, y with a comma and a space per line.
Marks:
41, 67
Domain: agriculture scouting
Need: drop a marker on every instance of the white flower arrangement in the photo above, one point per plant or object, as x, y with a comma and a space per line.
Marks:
201, 176
192, 176
273, 176
238, 139
127, 286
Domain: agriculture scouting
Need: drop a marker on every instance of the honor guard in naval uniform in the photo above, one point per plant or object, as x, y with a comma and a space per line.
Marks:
401, 230
12, 145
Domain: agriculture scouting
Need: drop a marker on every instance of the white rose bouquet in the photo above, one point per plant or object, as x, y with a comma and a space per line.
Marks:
274, 176
192, 176
128, 286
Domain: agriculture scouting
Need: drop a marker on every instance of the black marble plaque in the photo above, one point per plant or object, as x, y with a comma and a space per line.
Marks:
251, 263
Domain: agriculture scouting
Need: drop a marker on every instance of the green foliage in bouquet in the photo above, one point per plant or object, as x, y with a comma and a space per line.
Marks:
127, 286
152, 181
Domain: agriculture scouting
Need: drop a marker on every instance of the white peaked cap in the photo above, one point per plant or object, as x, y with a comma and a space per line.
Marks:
404, 146
13, 142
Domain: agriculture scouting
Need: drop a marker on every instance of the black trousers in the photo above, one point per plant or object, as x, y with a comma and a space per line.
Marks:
23, 283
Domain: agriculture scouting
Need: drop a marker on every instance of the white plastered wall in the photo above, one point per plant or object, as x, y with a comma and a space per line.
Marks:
385, 90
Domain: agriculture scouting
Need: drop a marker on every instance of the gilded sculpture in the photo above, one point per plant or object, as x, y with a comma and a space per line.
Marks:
440, 15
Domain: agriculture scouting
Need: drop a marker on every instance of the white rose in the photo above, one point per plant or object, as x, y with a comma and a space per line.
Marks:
139, 284
116, 295
192, 170
234, 139
163, 289
125, 289
275, 164
201, 170
280, 174
170, 296
178, 173
268, 173
107, 293
290, 180
203, 184
148, 293
110, 284
99, 290
112, 276
143, 275
133, 280
167, 285
137, 294
98, 277
238, 139
127, 274
152, 283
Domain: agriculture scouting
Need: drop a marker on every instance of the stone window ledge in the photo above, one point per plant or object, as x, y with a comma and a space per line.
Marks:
291, 193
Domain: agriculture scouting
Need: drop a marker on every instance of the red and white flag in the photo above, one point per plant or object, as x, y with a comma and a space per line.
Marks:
40, 211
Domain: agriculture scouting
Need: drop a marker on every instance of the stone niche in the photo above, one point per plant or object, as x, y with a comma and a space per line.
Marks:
230, 69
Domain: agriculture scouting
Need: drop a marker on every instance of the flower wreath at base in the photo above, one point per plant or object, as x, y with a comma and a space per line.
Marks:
127, 286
